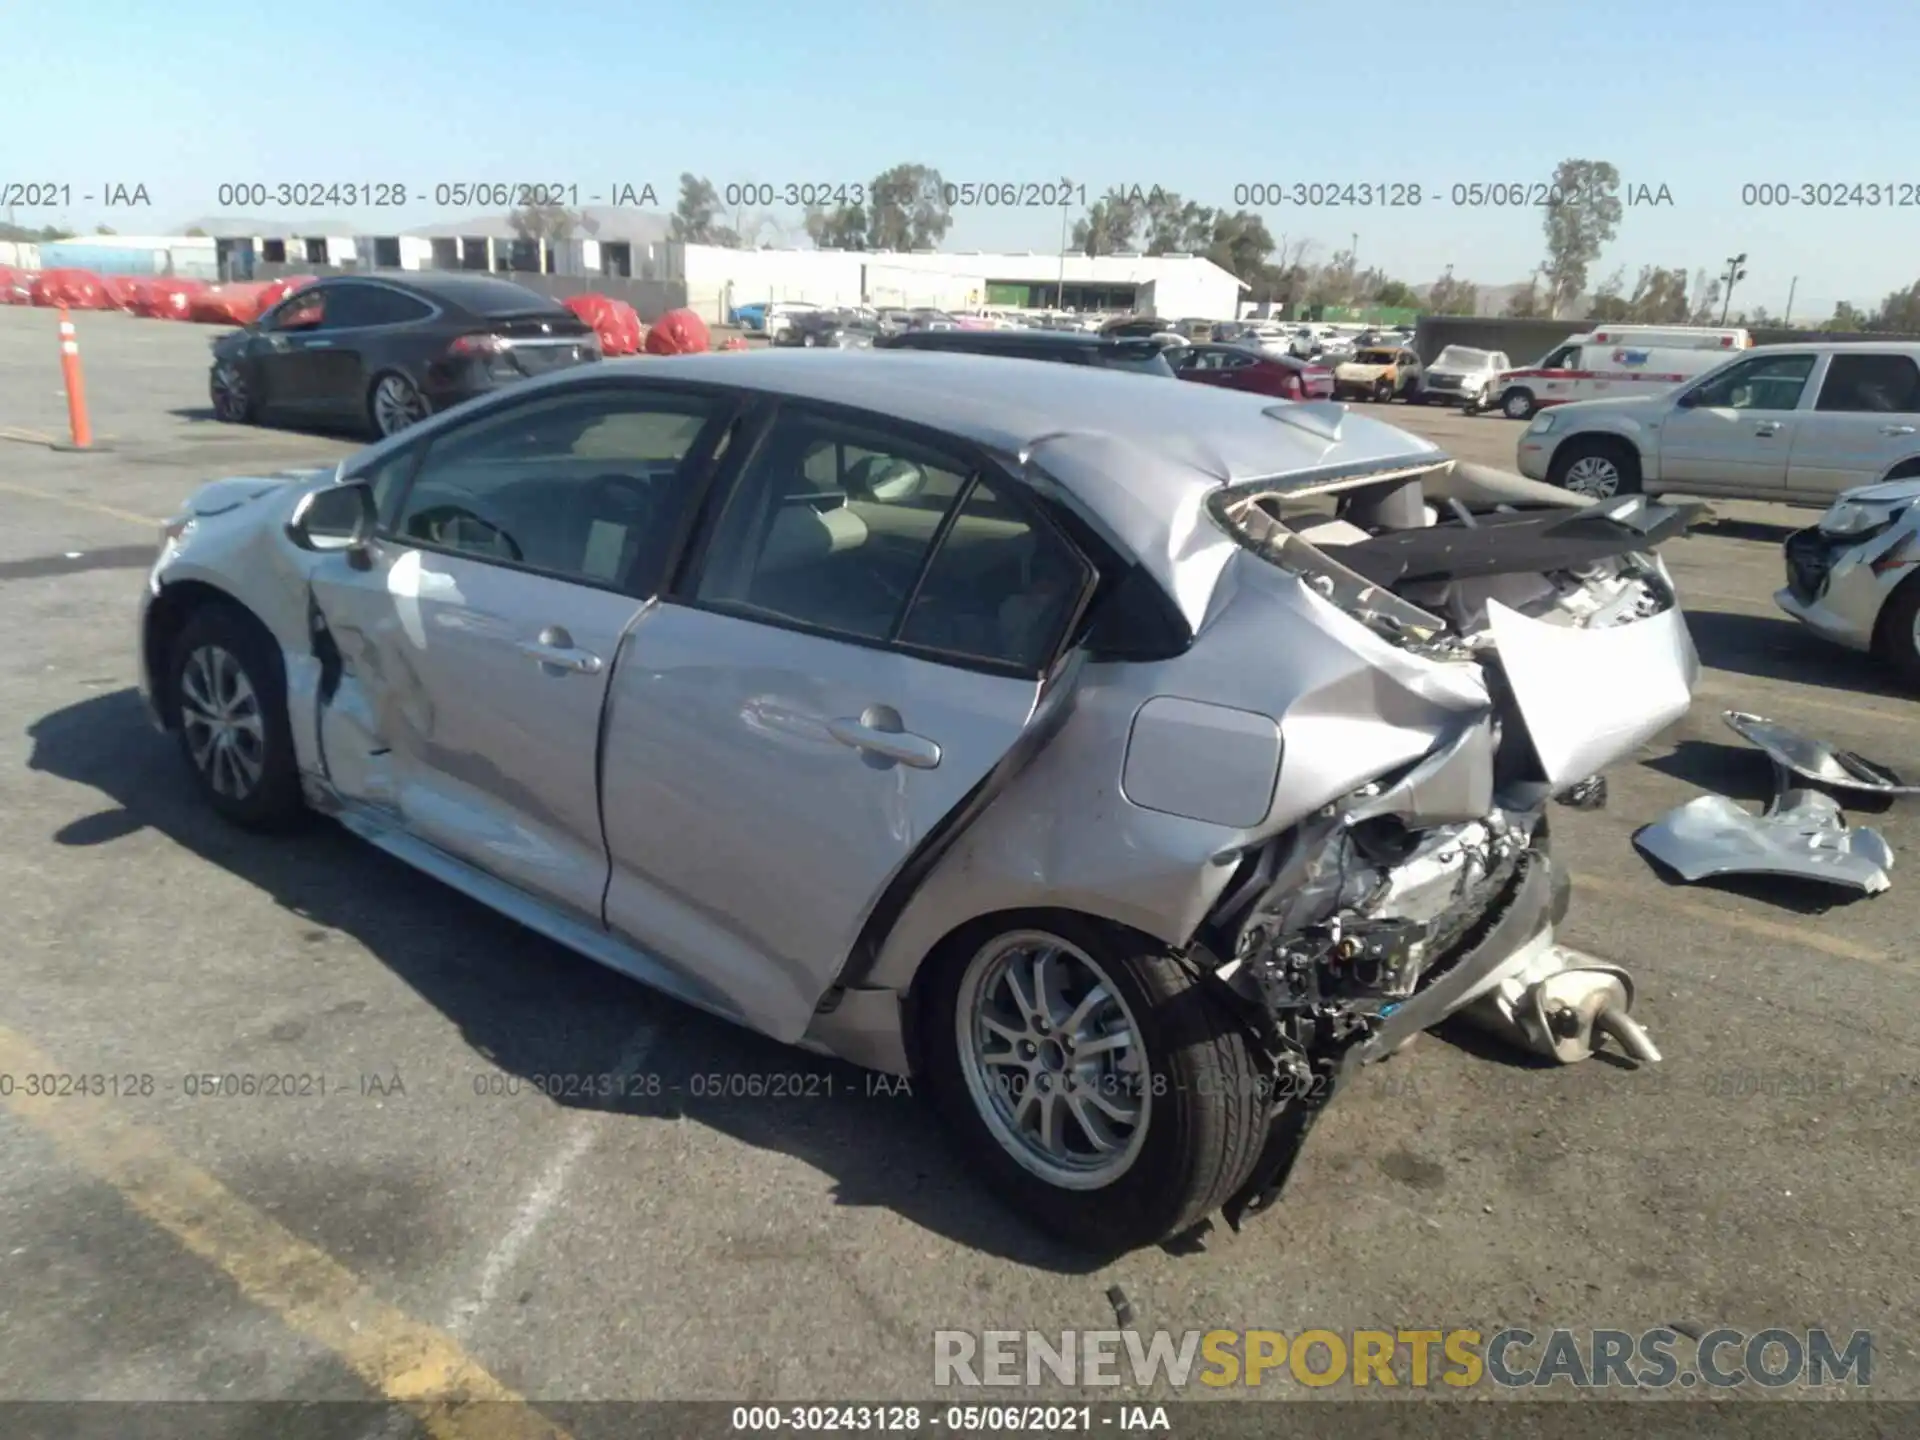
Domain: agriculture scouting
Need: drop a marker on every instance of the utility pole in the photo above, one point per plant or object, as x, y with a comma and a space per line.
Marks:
1736, 272
1060, 299
1787, 319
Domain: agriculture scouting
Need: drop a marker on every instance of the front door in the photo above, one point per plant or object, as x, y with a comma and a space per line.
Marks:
280, 354
1732, 433
478, 646
1866, 421
863, 641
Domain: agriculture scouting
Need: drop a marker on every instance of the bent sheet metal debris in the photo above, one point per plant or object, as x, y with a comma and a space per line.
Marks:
1802, 834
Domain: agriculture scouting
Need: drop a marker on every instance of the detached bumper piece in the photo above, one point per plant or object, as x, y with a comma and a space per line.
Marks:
1802, 834
1795, 754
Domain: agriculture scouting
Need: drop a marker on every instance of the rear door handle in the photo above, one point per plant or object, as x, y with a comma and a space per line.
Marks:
878, 733
556, 651
316, 344
1896, 429
1767, 428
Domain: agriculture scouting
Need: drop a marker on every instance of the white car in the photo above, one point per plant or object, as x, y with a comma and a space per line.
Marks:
779, 317
1797, 423
1854, 577
1462, 375
1612, 361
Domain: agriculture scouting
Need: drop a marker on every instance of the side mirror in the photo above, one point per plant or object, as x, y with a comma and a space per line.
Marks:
335, 519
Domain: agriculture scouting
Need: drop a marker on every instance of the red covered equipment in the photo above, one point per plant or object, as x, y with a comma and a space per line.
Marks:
614, 321
16, 286
166, 298
278, 290
227, 304
678, 332
75, 289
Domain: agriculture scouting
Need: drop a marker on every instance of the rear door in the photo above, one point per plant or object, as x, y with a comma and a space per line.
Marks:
862, 640
477, 647
1865, 421
1733, 432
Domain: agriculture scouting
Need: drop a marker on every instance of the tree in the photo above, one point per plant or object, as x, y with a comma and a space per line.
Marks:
1845, 320
1528, 303
1240, 244
1394, 295
1579, 228
1109, 226
1448, 296
1899, 313
842, 228
548, 223
696, 216
105, 230
1706, 306
1609, 305
1176, 225
907, 209
196, 233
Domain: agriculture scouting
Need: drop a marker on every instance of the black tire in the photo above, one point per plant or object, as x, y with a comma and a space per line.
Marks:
1383, 391
1518, 405
377, 426
1206, 1121
1895, 638
273, 800
1606, 449
228, 395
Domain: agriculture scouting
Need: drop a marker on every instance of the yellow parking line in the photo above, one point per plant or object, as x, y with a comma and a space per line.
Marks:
1751, 924
411, 1364
71, 503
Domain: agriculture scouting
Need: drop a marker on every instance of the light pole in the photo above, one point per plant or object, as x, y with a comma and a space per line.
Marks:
1736, 272
1060, 298
1792, 290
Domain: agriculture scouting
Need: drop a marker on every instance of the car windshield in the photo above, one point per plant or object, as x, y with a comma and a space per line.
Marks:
1377, 357
502, 297
1137, 361
1461, 357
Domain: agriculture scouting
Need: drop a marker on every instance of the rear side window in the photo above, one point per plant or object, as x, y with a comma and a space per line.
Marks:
1874, 384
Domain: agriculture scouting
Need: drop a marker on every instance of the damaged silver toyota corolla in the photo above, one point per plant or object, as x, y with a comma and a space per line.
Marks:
1129, 761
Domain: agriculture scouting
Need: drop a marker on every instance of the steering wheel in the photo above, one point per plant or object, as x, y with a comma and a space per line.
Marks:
437, 522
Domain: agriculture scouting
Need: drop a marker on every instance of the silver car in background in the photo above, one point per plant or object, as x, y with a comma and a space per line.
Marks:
1854, 577
1461, 375
1128, 762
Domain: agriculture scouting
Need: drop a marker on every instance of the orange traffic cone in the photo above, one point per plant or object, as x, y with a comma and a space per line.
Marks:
77, 421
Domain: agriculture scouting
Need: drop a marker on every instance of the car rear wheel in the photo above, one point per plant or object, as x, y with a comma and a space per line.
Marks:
227, 388
1897, 635
1103, 1093
230, 712
1597, 467
1517, 405
393, 404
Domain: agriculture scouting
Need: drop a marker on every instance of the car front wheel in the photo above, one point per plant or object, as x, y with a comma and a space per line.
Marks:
1103, 1093
230, 713
1897, 636
1596, 467
227, 389
1517, 405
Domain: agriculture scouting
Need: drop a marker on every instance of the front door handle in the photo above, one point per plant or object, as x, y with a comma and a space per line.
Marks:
557, 653
1896, 429
315, 344
879, 735
1767, 428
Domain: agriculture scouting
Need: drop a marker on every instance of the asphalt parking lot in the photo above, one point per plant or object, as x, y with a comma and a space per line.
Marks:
434, 1219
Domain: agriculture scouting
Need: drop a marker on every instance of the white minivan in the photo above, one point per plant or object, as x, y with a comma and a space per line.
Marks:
1614, 360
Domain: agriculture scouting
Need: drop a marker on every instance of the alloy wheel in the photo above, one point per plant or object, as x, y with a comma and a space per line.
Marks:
1595, 476
1053, 1060
396, 405
221, 717
229, 392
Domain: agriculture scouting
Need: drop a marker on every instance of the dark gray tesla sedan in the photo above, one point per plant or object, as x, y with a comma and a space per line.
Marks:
378, 353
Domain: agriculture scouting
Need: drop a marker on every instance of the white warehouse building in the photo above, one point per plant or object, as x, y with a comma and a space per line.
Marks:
1172, 286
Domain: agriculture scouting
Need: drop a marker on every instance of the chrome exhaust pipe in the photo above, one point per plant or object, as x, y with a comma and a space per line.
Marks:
1561, 1005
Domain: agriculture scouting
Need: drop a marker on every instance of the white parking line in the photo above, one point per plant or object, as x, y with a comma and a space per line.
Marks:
580, 1133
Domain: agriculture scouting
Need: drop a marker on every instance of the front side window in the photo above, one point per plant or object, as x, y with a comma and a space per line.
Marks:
303, 310
1887, 384
588, 487
1765, 382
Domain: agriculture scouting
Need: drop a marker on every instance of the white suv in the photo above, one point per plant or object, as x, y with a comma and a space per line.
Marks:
1798, 423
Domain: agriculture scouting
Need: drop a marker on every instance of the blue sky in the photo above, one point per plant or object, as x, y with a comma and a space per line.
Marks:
1699, 96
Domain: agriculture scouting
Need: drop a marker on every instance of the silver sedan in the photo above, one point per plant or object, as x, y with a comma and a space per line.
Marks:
1854, 577
1124, 761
